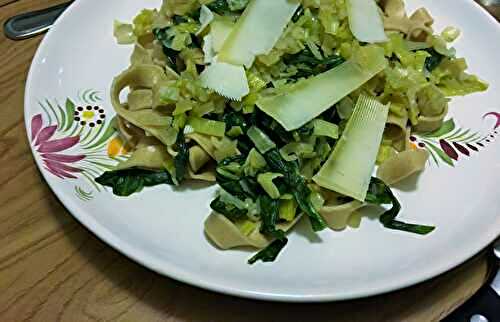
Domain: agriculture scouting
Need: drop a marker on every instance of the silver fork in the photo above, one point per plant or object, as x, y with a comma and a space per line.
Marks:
32, 23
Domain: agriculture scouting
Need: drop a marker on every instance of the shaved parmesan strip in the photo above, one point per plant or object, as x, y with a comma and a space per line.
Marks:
349, 168
220, 29
365, 21
257, 31
310, 97
208, 49
206, 17
226, 79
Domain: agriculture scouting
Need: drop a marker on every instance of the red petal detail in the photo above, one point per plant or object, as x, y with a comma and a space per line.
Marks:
36, 125
461, 148
62, 157
58, 145
45, 134
61, 166
448, 149
497, 115
58, 172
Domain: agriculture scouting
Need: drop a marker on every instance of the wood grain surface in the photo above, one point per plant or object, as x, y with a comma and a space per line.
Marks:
53, 269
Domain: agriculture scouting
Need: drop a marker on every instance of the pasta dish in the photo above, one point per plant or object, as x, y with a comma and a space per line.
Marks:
290, 106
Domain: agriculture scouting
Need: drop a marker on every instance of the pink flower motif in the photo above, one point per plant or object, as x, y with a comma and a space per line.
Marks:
55, 163
495, 114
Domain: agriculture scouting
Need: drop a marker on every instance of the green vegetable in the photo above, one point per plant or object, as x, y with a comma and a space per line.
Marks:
181, 160
227, 7
433, 61
262, 142
232, 212
270, 215
307, 65
143, 22
236, 5
297, 185
295, 150
129, 181
288, 209
124, 33
208, 127
324, 128
349, 168
254, 163
380, 194
266, 182
270, 253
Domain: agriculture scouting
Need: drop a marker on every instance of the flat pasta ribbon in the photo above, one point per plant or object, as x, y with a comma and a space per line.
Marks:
226, 235
402, 165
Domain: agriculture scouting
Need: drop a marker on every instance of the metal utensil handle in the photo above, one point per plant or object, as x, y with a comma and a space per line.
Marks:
32, 23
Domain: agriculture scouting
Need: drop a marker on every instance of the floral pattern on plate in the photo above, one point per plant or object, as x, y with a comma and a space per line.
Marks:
76, 140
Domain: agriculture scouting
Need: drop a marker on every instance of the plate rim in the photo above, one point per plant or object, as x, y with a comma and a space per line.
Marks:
170, 269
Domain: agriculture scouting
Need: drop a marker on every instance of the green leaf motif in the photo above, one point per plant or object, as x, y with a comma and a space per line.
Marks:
70, 111
459, 135
64, 117
470, 138
110, 131
446, 128
443, 156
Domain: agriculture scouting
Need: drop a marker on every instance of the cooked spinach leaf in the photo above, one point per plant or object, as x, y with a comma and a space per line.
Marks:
434, 60
235, 119
270, 253
273, 129
181, 160
270, 214
166, 41
129, 181
230, 211
297, 185
226, 7
308, 65
380, 194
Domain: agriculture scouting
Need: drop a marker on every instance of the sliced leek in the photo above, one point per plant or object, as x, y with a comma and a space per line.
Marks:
310, 97
266, 182
257, 30
260, 139
208, 127
350, 166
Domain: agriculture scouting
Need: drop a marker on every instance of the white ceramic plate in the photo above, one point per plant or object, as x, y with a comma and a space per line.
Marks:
163, 228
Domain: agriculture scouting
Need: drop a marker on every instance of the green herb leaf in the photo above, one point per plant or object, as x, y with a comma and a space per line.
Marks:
129, 181
297, 184
380, 194
270, 253
270, 215
182, 158
434, 60
228, 210
308, 65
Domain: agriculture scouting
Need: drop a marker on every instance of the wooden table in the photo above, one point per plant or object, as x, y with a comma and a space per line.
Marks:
53, 269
